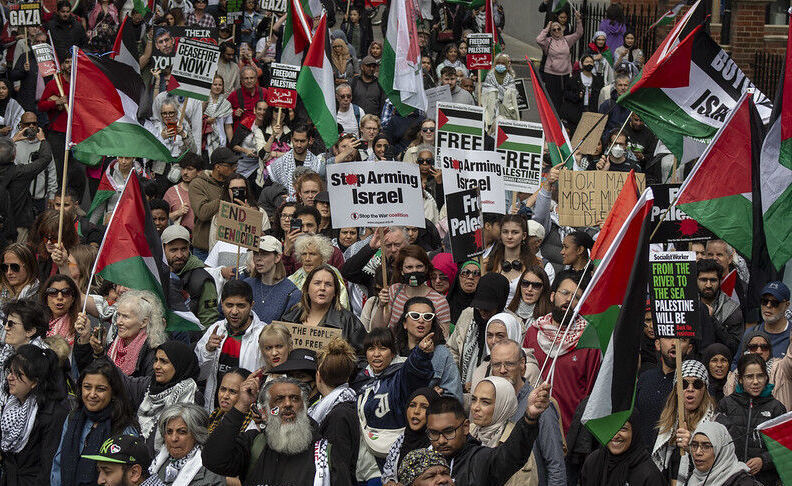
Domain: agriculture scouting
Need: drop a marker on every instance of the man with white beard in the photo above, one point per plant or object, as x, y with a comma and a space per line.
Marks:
289, 451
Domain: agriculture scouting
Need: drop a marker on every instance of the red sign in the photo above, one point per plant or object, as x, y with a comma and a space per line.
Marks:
282, 98
479, 55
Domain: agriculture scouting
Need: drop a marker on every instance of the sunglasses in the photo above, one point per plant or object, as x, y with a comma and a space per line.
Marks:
29, 124
428, 161
426, 316
470, 273
771, 303
49, 238
533, 285
15, 267
758, 346
697, 384
52, 292
427, 129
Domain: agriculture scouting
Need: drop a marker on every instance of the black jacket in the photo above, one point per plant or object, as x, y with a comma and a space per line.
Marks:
83, 356
66, 34
341, 428
741, 413
573, 106
31, 466
742, 478
28, 79
352, 329
16, 180
645, 473
368, 96
476, 464
354, 271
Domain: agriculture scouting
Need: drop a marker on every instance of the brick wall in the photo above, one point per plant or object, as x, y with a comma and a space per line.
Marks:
747, 36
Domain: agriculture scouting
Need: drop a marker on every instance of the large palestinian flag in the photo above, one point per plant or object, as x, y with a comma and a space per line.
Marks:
104, 99
558, 144
131, 255
296, 31
125, 49
400, 71
613, 303
687, 89
777, 436
316, 85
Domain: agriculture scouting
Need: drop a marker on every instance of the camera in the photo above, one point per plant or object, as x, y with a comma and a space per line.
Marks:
295, 224
31, 132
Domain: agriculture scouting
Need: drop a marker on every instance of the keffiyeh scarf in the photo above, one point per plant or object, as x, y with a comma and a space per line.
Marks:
16, 423
149, 411
320, 409
178, 472
282, 170
548, 333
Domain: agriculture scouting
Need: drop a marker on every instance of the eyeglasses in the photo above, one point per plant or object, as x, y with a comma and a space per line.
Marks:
425, 316
428, 129
428, 161
49, 238
758, 346
533, 285
168, 113
470, 273
772, 303
696, 384
703, 446
448, 434
509, 365
52, 292
15, 267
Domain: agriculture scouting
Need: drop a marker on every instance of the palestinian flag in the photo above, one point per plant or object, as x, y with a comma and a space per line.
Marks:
687, 89
125, 47
625, 202
131, 255
316, 86
107, 187
777, 436
775, 166
668, 17
723, 204
558, 5
558, 144
400, 71
103, 103
143, 6
459, 118
728, 286
613, 303
296, 31
517, 138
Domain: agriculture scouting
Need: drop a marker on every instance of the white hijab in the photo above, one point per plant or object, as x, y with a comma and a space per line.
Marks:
513, 328
726, 463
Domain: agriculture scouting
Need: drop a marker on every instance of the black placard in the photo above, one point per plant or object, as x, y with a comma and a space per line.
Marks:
677, 226
465, 224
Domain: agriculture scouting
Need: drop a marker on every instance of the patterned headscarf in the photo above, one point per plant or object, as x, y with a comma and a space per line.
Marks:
696, 369
417, 462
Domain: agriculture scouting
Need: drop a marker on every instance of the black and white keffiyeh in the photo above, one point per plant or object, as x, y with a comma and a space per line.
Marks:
16, 423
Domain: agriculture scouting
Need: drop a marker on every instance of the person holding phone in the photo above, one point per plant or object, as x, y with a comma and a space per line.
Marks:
172, 130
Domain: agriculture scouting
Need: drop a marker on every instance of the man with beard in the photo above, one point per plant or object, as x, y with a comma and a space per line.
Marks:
654, 386
555, 336
726, 314
288, 452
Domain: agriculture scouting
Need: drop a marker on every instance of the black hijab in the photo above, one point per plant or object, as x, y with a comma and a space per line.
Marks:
491, 294
183, 359
458, 299
613, 470
416, 439
716, 385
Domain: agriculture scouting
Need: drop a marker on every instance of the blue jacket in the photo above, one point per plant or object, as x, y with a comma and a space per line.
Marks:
446, 373
386, 393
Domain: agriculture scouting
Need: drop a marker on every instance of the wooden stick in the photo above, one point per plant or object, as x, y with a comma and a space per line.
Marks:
349, 3
674, 171
478, 87
384, 260
60, 89
514, 199
679, 389
27, 48
236, 268
64, 178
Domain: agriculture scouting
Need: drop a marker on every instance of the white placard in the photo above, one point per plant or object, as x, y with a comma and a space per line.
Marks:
465, 169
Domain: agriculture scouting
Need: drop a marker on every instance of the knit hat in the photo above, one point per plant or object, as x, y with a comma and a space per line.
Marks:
417, 462
695, 369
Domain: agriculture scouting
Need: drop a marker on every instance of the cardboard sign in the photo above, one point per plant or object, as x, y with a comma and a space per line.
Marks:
24, 14
194, 68
479, 54
282, 92
673, 293
45, 59
373, 194
468, 169
587, 196
274, 5
314, 338
520, 145
677, 226
166, 40
239, 225
459, 127
435, 95
464, 224
588, 120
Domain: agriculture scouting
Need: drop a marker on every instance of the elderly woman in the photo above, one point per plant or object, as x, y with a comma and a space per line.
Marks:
313, 251
183, 428
59, 296
20, 274
556, 46
170, 129
499, 92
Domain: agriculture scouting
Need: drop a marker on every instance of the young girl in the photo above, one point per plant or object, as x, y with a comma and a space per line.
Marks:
511, 254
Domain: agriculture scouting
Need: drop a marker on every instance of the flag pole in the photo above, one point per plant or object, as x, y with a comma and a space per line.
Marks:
67, 144
27, 49
57, 67
679, 389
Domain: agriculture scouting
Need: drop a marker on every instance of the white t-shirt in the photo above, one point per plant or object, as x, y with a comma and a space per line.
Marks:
349, 121
587, 84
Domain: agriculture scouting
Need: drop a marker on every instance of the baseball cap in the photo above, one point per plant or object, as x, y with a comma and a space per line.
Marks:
535, 229
777, 289
223, 155
123, 449
270, 243
298, 360
175, 232
369, 59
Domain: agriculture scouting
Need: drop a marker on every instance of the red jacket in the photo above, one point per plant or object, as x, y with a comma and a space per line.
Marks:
57, 118
248, 101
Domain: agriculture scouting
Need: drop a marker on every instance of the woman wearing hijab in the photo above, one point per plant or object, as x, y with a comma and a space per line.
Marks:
463, 288
717, 359
715, 462
629, 57
414, 436
624, 460
492, 404
499, 92
603, 56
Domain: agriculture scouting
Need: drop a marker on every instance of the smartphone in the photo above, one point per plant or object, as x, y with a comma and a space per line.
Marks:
363, 145
171, 127
296, 224
239, 193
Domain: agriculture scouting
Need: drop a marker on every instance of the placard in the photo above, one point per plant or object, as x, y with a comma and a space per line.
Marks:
459, 127
479, 54
587, 196
194, 68
434, 95
677, 226
374, 194
24, 14
166, 40
234, 10
673, 293
520, 145
278, 6
588, 120
466, 169
522, 94
239, 225
282, 92
314, 338
45, 59
464, 224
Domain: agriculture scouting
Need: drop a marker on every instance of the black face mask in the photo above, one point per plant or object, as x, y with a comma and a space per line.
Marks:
588, 67
414, 279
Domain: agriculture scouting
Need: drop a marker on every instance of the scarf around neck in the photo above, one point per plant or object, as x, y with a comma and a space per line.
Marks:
547, 331
726, 463
74, 469
341, 394
16, 423
178, 472
153, 405
125, 356
505, 407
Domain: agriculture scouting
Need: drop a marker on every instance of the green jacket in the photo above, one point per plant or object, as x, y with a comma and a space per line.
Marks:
202, 290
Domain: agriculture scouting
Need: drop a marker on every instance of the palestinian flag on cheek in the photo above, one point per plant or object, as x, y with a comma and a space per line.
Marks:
104, 101
558, 144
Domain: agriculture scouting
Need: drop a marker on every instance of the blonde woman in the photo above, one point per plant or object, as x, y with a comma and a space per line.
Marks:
275, 343
313, 251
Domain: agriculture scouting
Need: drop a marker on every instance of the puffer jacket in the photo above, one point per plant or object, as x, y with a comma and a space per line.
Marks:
741, 413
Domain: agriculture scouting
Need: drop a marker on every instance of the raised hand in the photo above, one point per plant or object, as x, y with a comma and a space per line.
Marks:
427, 344
538, 401
214, 340
248, 391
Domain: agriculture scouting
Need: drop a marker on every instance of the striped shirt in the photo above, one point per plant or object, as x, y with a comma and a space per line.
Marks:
398, 297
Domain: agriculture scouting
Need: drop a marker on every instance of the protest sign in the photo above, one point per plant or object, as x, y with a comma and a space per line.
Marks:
194, 68
239, 225
479, 54
673, 294
520, 145
166, 39
677, 226
282, 92
314, 338
24, 14
373, 194
459, 127
45, 59
234, 10
465, 223
274, 5
433, 95
522, 94
588, 120
586, 196
466, 169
